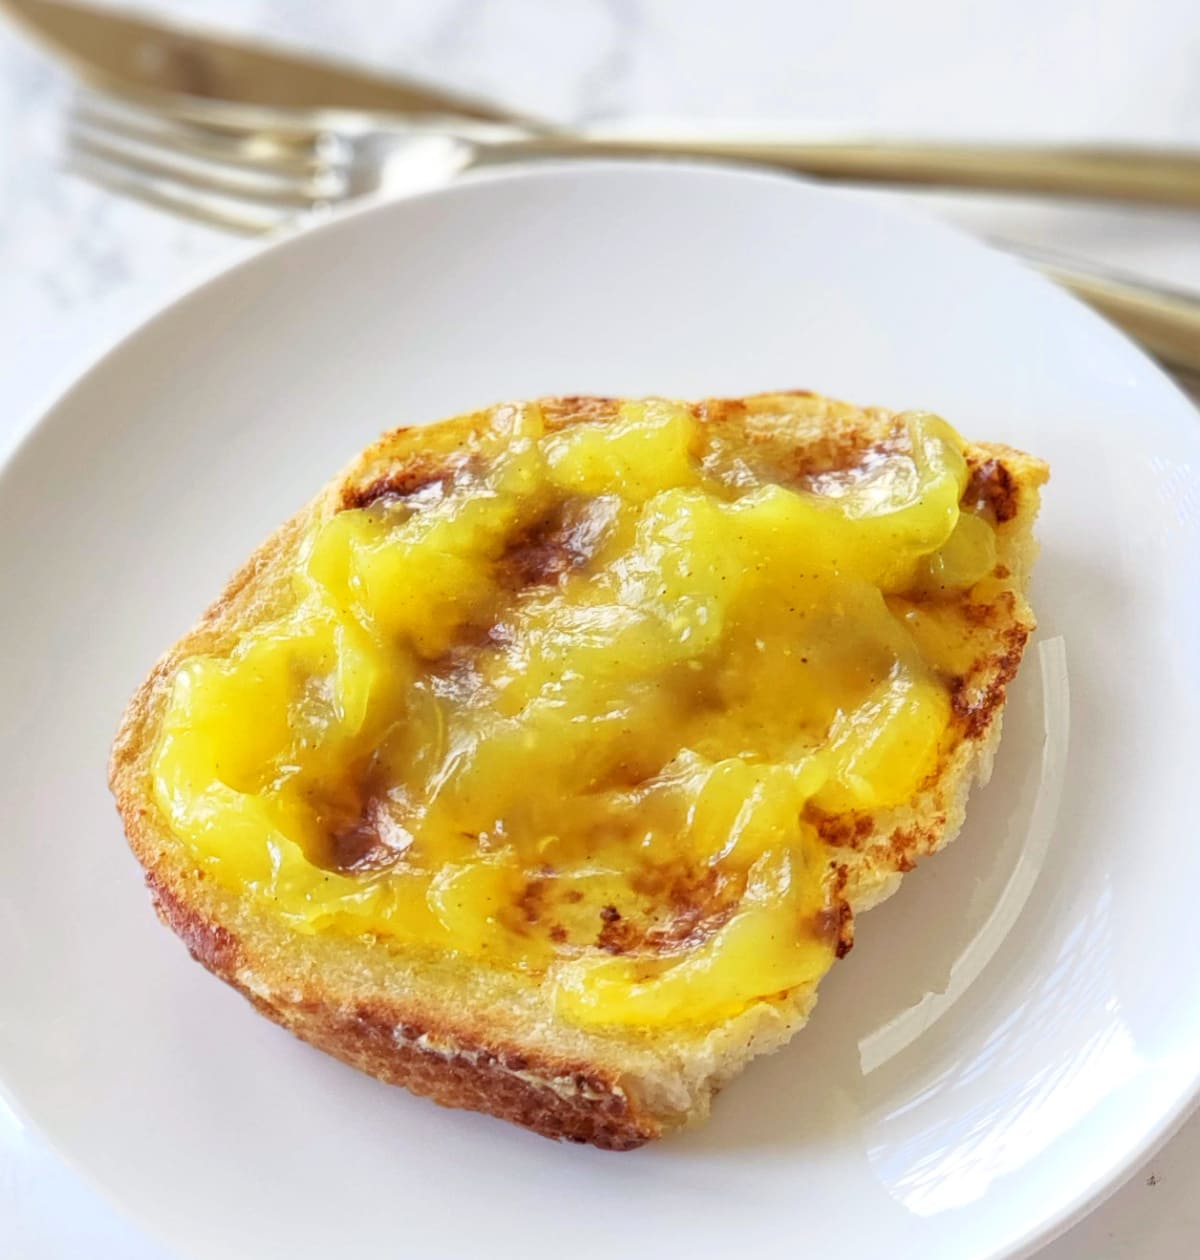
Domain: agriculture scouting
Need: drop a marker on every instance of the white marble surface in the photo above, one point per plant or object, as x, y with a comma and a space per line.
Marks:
78, 268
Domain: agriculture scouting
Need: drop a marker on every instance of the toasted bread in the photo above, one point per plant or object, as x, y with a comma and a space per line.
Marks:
491, 1038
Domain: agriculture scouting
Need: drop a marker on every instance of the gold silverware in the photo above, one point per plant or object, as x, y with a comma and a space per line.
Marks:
253, 180
248, 138
193, 73
1165, 321
136, 55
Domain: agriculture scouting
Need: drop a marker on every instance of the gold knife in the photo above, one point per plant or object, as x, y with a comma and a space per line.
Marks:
136, 56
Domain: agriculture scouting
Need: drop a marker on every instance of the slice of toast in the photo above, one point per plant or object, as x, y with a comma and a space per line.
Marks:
493, 1037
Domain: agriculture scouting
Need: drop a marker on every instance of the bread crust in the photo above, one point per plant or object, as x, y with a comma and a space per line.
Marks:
483, 1040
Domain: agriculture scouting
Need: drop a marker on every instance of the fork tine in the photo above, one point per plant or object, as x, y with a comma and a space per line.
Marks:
186, 203
159, 159
141, 123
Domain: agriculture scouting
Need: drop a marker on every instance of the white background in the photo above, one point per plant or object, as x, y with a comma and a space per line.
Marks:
78, 268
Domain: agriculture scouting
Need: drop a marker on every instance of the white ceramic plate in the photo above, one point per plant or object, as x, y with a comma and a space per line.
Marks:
1011, 1033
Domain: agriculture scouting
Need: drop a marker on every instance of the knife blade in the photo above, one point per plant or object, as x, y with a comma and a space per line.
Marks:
135, 55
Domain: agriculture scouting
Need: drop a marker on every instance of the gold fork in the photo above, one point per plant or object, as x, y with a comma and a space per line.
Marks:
254, 170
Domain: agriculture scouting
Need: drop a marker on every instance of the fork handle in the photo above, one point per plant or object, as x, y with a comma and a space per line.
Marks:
1166, 177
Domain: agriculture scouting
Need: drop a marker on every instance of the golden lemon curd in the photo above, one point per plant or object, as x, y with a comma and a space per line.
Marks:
572, 709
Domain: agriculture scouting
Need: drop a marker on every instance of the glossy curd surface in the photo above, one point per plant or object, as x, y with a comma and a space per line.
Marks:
575, 702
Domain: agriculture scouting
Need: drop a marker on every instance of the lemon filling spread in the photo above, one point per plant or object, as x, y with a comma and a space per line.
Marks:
573, 706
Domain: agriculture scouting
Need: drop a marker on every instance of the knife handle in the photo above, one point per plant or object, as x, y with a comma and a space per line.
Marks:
1165, 322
